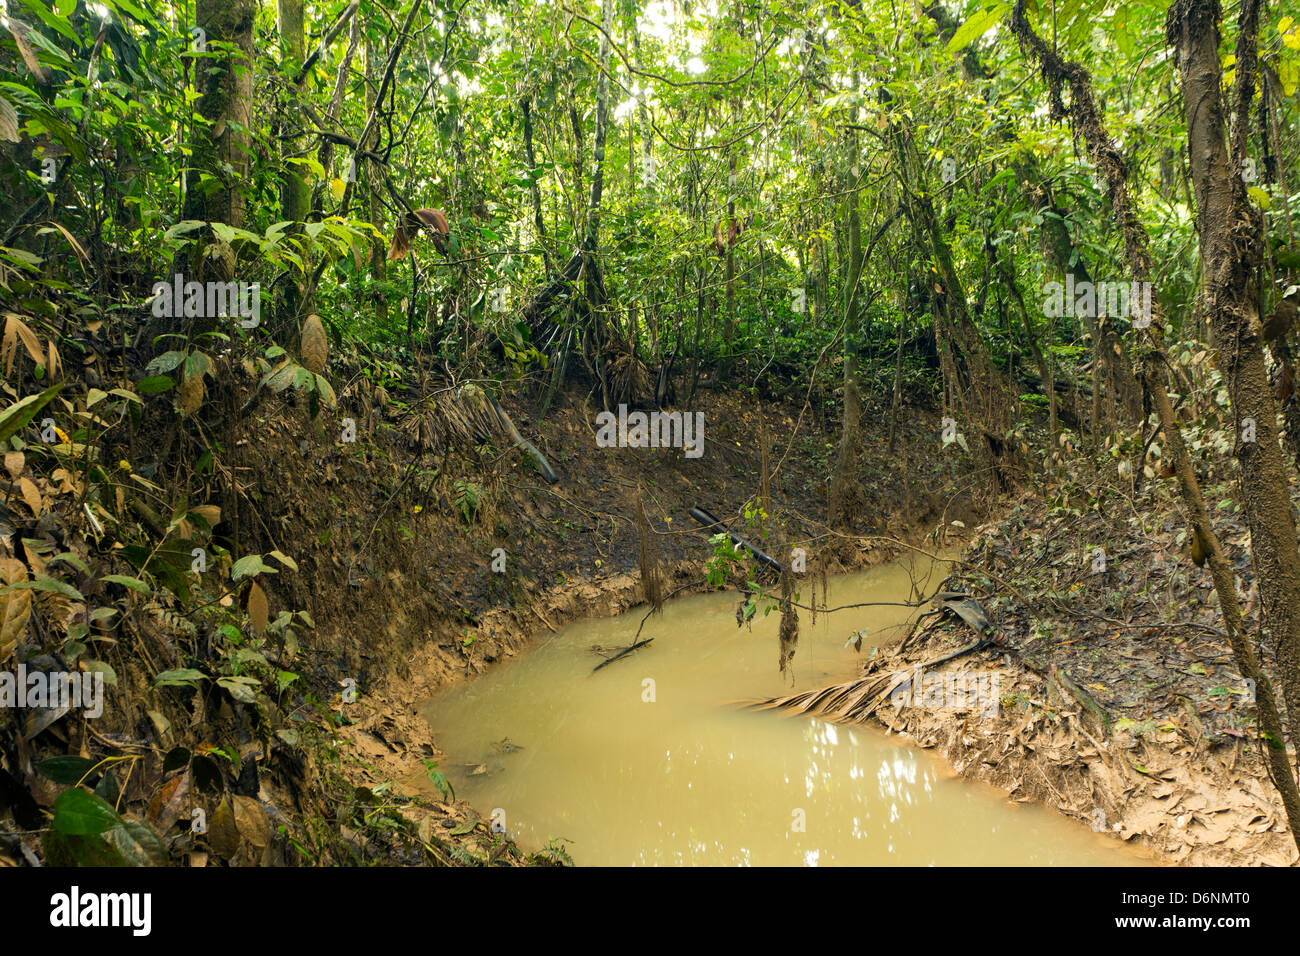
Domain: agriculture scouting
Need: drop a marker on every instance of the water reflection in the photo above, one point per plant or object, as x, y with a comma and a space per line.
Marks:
684, 780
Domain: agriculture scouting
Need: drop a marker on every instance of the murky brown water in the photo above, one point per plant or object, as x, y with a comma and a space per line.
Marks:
682, 779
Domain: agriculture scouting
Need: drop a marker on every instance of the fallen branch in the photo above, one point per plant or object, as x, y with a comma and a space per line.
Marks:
623, 653
709, 522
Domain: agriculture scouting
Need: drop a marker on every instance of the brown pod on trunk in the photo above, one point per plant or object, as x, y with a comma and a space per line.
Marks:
313, 345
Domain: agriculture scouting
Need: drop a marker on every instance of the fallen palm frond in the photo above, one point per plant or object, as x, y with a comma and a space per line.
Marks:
455, 418
855, 701
464, 419
630, 382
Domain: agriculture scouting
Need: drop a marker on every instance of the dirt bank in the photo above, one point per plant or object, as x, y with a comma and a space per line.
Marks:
1117, 700
431, 610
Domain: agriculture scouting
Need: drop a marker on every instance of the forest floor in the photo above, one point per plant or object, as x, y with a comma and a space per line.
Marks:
573, 553
390, 541
1119, 702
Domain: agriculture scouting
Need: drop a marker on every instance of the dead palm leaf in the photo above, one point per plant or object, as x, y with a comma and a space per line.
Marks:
16, 331
851, 702
15, 607
8, 122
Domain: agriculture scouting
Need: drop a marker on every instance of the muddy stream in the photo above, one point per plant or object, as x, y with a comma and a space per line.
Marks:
644, 763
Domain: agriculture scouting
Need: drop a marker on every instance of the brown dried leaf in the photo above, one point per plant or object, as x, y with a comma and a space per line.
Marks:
16, 330
54, 364
15, 607
209, 513
15, 461
19, 32
223, 833
168, 803
314, 345
31, 495
258, 609
189, 395
252, 822
76, 247
8, 122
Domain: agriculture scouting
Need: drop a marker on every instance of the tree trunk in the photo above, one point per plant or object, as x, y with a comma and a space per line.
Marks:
1085, 116
591, 244
526, 106
378, 253
846, 495
1231, 229
225, 83
295, 195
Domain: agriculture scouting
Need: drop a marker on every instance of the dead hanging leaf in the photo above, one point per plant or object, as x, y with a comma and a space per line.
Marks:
15, 461
168, 803
19, 32
189, 396
72, 241
16, 330
258, 609
8, 122
55, 364
314, 346
31, 495
15, 607
209, 513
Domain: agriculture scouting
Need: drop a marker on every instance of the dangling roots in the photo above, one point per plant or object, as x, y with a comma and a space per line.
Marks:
651, 582
789, 631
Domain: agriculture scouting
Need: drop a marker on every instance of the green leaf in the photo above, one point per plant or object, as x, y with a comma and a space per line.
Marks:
241, 688
182, 677
137, 843
165, 362
976, 26
72, 559
325, 390
439, 779
17, 416
1262, 199
79, 812
99, 667
129, 582
248, 567
154, 385
68, 849
284, 559
196, 363
44, 583
69, 770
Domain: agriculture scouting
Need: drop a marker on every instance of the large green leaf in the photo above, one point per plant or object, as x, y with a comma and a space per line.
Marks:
18, 415
80, 812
